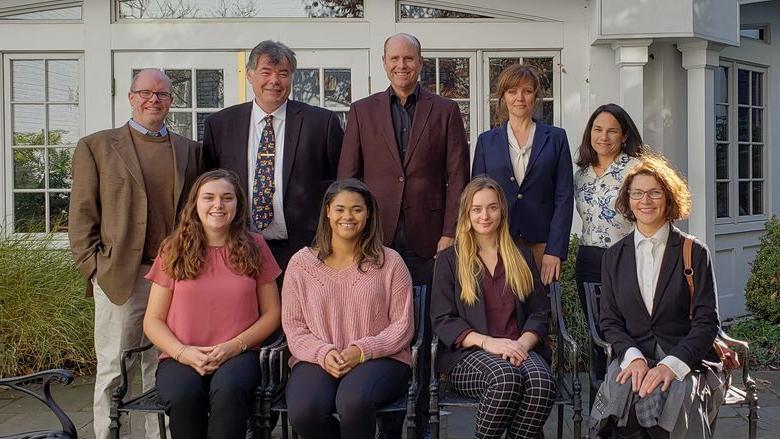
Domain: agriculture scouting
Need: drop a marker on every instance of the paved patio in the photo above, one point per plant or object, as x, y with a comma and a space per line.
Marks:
23, 414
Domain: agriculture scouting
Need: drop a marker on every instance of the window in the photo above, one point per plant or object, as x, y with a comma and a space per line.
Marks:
329, 88
450, 76
175, 9
45, 119
411, 11
740, 143
545, 109
41, 10
759, 32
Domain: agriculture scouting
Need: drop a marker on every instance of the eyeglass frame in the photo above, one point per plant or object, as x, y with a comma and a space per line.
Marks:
661, 193
162, 96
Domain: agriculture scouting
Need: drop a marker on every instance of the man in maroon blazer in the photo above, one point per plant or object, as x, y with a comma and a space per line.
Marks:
409, 146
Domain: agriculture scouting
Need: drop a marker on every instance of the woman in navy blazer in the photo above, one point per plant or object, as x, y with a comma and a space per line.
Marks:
532, 164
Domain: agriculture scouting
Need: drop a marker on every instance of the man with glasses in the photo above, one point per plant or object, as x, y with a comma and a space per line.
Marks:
128, 186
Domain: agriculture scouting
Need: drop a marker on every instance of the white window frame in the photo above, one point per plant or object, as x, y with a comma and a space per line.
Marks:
725, 224
7, 184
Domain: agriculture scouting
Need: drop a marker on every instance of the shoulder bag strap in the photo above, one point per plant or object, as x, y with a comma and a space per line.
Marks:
687, 246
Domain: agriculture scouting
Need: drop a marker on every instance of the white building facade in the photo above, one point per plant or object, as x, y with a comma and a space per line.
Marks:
699, 77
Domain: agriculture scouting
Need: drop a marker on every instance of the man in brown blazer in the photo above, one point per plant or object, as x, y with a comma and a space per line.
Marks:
128, 186
409, 146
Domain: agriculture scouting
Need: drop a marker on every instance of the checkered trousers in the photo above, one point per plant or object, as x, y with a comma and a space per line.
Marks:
512, 399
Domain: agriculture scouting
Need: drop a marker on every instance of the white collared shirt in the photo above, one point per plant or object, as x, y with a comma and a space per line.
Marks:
277, 229
649, 254
519, 155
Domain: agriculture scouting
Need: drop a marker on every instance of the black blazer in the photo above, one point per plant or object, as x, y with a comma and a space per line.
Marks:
450, 316
625, 321
312, 145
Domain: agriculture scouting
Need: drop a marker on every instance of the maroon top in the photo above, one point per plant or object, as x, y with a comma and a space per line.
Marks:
499, 305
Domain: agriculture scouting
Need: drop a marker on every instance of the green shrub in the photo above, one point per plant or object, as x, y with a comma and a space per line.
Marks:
45, 321
764, 339
763, 287
576, 322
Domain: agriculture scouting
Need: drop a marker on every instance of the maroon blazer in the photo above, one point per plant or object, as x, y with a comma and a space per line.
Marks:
427, 184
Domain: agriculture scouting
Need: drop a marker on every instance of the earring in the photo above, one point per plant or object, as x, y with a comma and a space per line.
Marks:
623, 146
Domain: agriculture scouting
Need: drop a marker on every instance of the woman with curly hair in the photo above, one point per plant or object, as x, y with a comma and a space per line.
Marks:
213, 301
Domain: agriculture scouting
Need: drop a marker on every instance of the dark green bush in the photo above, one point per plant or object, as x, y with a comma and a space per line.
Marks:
45, 321
764, 340
763, 287
576, 322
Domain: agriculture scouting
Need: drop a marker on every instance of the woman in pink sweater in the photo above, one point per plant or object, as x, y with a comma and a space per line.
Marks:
213, 300
347, 314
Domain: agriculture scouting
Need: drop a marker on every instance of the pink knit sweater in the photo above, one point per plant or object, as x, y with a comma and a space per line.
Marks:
324, 308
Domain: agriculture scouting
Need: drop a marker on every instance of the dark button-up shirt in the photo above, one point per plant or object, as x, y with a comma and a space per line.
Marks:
403, 115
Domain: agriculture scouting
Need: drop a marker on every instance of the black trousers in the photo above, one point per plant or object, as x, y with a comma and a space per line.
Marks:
215, 406
313, 396
588, 269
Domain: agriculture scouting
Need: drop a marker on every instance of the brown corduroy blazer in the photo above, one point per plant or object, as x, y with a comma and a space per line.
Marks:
108, 206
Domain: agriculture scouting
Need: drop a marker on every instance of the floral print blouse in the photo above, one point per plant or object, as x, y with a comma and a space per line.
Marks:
595, 196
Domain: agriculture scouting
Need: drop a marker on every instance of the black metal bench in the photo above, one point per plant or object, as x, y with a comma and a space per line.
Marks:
735, 396
277, 371
565, 370
25, 384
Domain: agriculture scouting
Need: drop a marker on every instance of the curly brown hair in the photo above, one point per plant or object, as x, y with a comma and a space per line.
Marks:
184, 251
677, 194
510, 78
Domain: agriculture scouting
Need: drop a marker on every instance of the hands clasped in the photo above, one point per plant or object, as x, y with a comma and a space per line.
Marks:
644, 380
510, 350
207, 359
337, 364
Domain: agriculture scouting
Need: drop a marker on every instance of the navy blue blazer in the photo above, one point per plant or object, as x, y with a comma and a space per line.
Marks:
541, 206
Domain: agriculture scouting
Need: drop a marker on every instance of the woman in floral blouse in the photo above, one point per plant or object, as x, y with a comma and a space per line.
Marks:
610, 147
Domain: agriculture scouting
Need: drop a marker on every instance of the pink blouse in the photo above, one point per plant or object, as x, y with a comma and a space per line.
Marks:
217, 305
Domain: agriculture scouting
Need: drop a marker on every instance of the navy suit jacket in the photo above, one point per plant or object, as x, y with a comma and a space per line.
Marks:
541, 206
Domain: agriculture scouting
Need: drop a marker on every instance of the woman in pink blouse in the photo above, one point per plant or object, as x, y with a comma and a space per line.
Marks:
213, 300
347, 314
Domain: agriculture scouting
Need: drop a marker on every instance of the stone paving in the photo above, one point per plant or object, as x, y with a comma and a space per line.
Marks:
19, 414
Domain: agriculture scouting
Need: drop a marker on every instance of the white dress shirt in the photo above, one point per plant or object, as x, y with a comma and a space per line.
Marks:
649, 254
277, 229
519, 155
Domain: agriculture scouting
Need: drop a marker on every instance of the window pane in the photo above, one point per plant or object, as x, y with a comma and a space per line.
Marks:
744, 198
58, 211
757, 160
72, 13
545, 68
412, 11
306, 86
722, 161
722, 123
758, 197
63, 82
180, 123
210, 88
722, 199
547, 112
757, 88
202, 124
338, 87
27, 81
63, 124
181, 85
174, 9
28, 124
743, 124
29, 213
59, 168
454, 77
757, 123
29, 168
496, 66
465, 111
744, 161
721, 84
743, 87
428, 75
494, 120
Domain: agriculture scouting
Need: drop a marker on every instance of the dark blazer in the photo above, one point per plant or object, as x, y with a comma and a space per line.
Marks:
624, 318
108, 206
450, 316
312, 145
427, 184
541, 206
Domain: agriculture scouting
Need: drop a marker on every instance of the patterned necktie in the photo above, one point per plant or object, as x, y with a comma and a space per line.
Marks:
263, 187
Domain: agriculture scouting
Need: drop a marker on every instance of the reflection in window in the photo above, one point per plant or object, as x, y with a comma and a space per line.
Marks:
329, 88
175, 9
758, 32
415, 12
71, 13
45, 124
449, 77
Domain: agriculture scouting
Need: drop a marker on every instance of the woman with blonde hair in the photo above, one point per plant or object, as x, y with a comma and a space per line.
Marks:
213, 301
490, 311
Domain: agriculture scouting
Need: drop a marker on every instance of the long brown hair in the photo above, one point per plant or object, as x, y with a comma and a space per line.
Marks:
369, 248
677, 194
633, 146
518, 274
184, 251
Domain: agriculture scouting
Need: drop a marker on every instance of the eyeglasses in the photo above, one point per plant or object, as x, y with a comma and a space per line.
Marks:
147, 94
638, 194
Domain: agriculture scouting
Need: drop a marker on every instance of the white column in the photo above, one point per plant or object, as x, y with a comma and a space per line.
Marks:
630, 58
699, 59
96, 96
